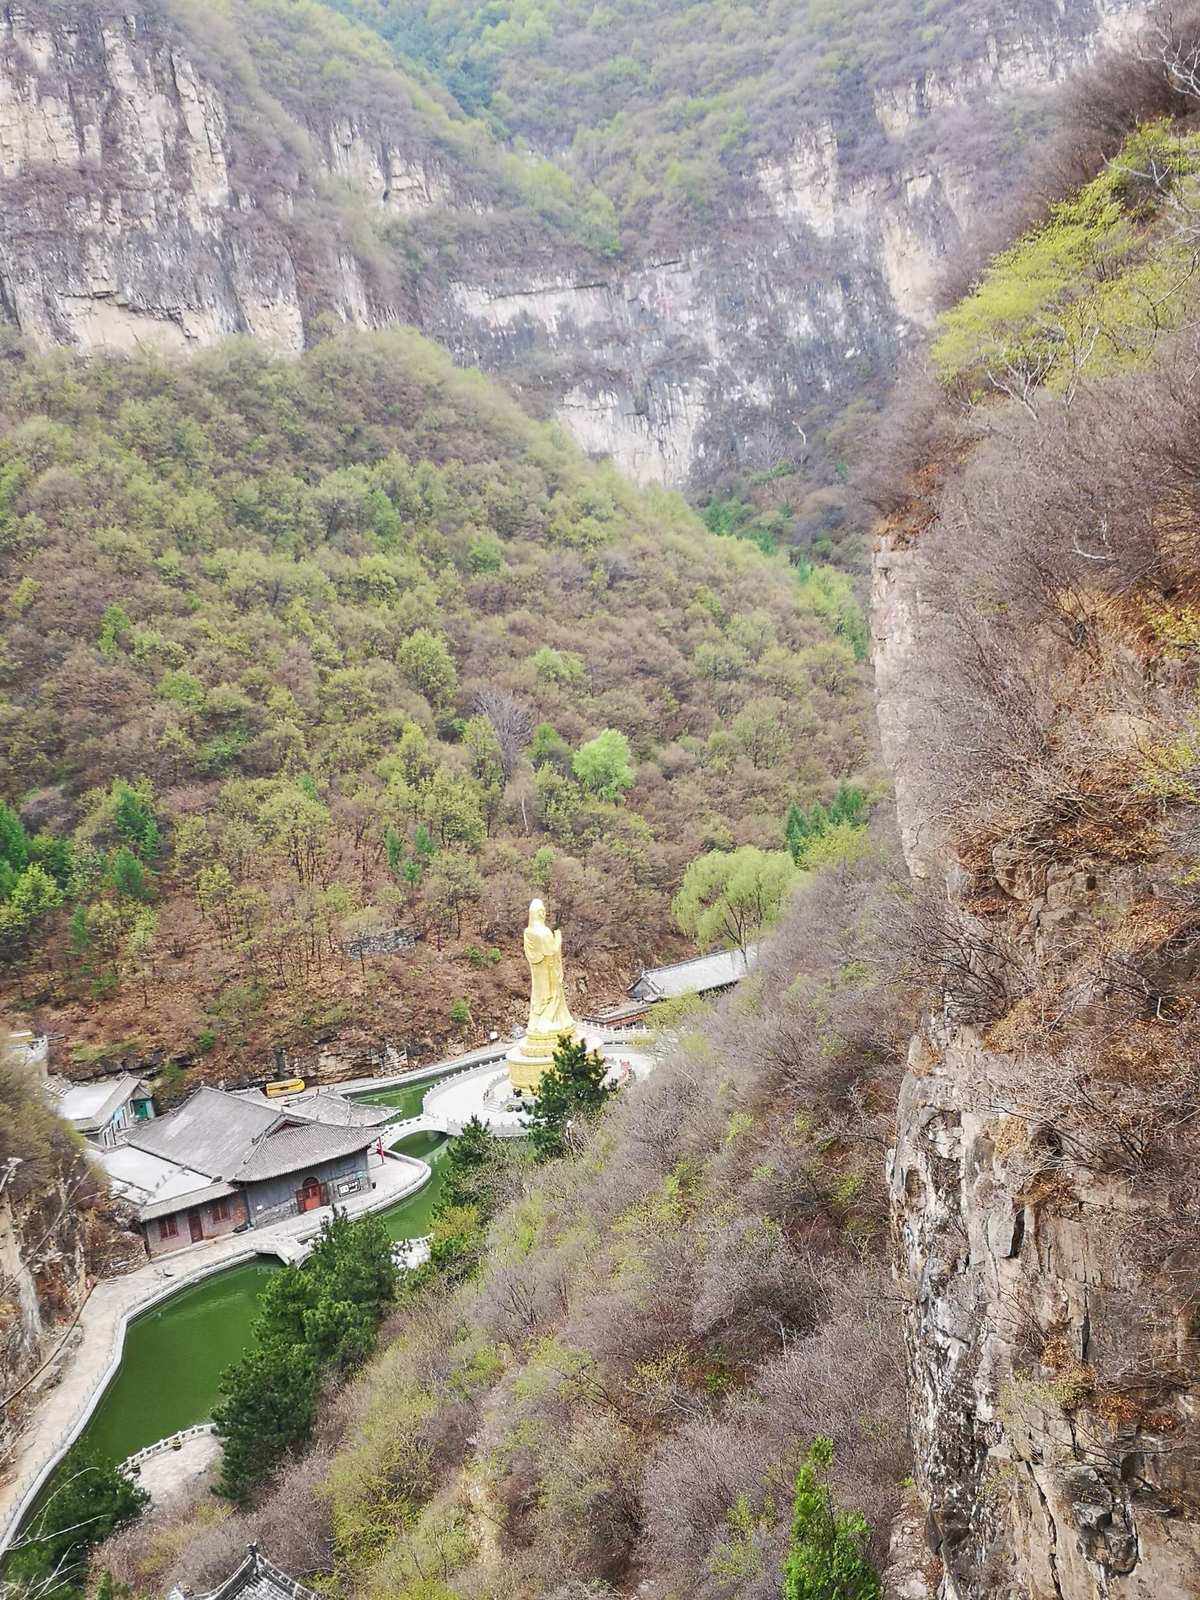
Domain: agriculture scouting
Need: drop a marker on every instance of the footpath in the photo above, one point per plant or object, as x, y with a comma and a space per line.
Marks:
91, 1352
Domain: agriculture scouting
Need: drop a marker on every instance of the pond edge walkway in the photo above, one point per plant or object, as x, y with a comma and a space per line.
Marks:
113, 1303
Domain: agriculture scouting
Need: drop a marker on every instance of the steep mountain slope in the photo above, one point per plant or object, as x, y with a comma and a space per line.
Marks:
1036, 624
301, 653
175, 172
617, 1400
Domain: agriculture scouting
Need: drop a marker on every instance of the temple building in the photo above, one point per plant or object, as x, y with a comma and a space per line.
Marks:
254, 1578
221, 1162
102, 1112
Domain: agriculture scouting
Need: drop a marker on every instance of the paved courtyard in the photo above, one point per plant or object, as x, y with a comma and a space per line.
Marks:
173, 1472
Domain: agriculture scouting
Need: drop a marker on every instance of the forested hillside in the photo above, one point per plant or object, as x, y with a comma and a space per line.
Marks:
665, 108
295, 653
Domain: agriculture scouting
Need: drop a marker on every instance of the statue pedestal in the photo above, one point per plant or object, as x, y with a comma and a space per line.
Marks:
533, 1056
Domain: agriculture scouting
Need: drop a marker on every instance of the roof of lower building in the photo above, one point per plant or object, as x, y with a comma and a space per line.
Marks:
298, 1146
717, 970
255, 1579
156, 1186
90, 1107
192, 1197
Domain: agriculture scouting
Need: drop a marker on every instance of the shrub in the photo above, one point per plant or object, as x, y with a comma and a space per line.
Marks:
826, 1557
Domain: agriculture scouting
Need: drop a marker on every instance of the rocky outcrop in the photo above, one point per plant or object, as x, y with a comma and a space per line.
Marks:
56, 1236
142, 206
1053, 1456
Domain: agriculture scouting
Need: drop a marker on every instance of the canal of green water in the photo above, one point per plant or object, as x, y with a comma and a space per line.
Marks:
175, 1354
408, 1098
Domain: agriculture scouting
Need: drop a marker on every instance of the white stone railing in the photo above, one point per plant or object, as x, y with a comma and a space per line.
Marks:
171, 1442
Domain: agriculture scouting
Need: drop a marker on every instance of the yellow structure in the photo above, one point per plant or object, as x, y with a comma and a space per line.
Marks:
550, 1018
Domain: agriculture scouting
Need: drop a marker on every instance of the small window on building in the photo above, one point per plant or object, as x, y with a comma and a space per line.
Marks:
220, 1211
168, 1227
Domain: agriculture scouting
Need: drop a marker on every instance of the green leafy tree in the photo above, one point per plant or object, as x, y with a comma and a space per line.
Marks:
91, 1498
827, 1552
425, 660
33, 896
730, 896
14, 841
140, 947
557, 666
114, 625
603, 765
319, 1317
475, 1173
423, 843
452, 885
133, 817
572, 1091
452, 810
56, 855
549, 745
395, 847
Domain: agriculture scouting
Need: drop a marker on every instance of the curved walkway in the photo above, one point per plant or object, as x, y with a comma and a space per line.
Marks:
99, 1337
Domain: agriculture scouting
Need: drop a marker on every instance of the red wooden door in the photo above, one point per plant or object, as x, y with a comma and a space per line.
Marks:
310, 1195
196, 1227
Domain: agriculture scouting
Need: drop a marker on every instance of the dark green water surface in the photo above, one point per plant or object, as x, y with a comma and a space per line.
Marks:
408, 1098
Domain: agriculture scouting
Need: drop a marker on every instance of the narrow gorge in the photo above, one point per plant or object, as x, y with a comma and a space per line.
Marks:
159, 193
599, 627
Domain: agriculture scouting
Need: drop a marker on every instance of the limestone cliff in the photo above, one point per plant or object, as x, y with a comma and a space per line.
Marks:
1052, 1380
145, 205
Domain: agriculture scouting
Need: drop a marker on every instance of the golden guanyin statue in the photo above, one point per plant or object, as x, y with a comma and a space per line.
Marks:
550, 1018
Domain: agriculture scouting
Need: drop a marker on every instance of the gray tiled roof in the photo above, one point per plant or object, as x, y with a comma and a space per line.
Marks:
255, 1579
181, 1202
298, 1146
90, 1107
335, 1111
697, 976
212, 1132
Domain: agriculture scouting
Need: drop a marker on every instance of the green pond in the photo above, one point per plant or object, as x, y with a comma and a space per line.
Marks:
408, 1098
175, 1354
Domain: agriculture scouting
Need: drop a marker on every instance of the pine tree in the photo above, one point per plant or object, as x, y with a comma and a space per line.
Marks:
572, 1090
128, 875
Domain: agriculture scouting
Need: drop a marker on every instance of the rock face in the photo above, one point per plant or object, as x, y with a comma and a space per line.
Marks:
1040, 1479
138, 210
56, 1237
